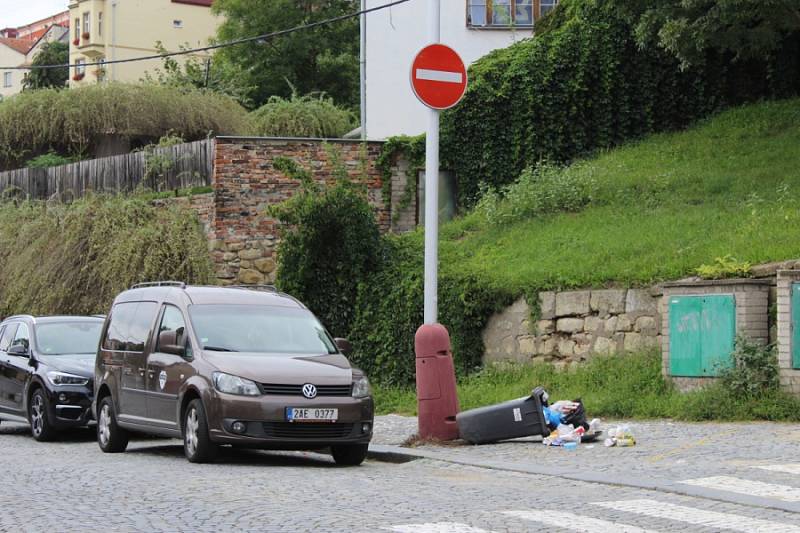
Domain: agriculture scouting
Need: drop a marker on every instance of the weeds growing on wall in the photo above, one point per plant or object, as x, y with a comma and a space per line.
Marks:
74, 259
70, 122
581, 84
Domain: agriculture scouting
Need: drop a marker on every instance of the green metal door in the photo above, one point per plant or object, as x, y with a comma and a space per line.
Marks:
702, 334
795, 325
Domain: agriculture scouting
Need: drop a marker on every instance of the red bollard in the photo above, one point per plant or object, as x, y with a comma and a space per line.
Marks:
437, 400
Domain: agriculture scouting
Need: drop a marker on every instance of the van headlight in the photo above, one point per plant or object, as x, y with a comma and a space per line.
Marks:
62, 378
361, 388
235, 385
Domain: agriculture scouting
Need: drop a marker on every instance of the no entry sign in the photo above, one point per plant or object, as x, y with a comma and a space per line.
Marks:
438, 76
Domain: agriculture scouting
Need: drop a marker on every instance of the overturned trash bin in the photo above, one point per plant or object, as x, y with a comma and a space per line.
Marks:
522, 417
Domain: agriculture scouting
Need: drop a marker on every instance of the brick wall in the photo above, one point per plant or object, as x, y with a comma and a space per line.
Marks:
242, 238
790, 376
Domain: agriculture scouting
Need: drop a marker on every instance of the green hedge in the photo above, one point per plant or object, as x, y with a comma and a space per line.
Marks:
70, 122
583, 84
389, 309
302, 116
57, 259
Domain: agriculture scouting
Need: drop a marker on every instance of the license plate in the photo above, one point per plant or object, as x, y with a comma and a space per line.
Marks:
311, 414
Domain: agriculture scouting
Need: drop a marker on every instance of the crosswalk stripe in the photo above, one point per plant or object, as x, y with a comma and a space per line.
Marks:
575, 522
745, 486
792, 468
437, 527
699, 517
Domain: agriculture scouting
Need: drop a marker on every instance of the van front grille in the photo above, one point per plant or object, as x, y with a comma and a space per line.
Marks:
297, 390
300, 430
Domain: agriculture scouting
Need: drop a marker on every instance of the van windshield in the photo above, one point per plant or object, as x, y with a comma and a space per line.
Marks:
259, 329
61, 338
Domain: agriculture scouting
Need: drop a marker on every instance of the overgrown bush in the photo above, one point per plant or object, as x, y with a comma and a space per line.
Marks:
58, 259
542, 190
50, 159
754, 370
70, 122
331, 243
582, 83
390, 309
725, 267
301, 116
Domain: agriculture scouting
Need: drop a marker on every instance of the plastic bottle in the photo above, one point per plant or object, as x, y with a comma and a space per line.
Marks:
571, 446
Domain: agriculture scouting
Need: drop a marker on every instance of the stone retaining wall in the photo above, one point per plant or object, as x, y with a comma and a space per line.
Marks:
575, 325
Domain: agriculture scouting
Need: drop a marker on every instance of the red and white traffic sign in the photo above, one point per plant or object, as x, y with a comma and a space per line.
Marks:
438, 76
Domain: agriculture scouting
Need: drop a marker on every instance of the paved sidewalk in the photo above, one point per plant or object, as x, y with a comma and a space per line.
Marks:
748, 463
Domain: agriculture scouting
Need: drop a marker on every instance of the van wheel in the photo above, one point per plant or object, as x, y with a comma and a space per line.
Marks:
110, 437
197, 445
38, 415
349, 454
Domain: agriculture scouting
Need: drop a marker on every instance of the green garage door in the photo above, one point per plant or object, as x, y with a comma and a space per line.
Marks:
702, 330
795, 325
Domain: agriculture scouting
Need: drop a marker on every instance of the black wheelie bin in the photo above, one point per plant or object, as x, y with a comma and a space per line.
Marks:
522, 417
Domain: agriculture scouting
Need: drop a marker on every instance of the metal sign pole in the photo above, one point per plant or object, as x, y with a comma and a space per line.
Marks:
432, 187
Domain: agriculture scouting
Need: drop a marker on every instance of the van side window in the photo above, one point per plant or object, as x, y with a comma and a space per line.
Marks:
140, 325
129, 326
8, 334
22, 338
173, 322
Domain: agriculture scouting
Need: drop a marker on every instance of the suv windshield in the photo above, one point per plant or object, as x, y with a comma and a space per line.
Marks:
260, 329
59, 338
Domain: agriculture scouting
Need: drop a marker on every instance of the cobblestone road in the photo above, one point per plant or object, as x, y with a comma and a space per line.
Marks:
72, 486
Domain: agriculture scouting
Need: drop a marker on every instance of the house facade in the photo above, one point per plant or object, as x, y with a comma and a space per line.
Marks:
472, 27
106, 30
35, 30
20, 52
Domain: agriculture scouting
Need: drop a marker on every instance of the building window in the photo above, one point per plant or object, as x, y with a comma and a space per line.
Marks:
77, 29
80, 67
500, 13
6, 79
86, 22
177, 23
545, 6
100, 24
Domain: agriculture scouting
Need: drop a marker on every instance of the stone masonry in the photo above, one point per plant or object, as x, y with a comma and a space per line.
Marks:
242, 237
789, 375
575, 325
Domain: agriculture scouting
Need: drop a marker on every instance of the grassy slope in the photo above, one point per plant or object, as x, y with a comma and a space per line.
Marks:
661, 208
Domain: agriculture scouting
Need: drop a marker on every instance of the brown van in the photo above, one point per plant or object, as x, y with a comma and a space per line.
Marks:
242, 366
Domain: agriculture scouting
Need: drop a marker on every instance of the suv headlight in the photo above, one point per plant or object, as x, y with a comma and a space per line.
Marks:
235, 385
62, 378
361, 388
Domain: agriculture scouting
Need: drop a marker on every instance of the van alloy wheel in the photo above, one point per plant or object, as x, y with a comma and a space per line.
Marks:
197, 444
103, 430
110, 437
191, 432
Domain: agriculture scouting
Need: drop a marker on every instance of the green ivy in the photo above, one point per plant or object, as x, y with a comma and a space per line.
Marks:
412, 149
583, 84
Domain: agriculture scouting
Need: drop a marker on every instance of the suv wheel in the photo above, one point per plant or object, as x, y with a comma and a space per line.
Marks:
110, 437
38, 415
349, 454
197, 445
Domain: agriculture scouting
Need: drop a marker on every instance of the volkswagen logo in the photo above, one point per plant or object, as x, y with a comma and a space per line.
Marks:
309, 391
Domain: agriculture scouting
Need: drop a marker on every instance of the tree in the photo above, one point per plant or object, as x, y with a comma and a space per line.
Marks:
689, 29
52, 53
324, 59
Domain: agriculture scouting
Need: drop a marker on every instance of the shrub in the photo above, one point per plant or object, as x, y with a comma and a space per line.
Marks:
50, 159
725, 267
75, 259
539, 191
331, 243
583, 84
70, 122
754, 370
301, 116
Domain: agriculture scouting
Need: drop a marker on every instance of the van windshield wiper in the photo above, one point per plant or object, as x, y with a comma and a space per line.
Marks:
218, 349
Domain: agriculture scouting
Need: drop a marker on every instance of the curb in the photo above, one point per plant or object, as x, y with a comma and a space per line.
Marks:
399, 454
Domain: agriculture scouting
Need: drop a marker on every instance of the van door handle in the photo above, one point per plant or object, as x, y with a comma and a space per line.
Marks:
151, 373
141, 372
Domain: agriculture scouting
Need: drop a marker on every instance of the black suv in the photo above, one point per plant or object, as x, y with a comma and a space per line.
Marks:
46, 371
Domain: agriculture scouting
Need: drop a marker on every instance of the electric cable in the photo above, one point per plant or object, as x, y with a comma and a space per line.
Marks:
218, 45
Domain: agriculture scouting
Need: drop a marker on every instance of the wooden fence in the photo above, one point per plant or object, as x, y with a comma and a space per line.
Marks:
179, 166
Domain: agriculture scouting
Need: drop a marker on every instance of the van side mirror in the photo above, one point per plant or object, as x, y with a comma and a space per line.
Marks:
168, 343
19, 349
344, 345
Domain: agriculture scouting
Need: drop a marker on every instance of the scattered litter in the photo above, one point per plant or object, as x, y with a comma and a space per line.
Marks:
621, 436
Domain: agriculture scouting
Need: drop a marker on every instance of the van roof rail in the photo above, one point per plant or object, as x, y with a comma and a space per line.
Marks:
260, 287
178, 284
20, 316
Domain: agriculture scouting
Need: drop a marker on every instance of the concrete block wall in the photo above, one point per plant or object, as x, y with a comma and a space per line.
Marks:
790, 377
751, 297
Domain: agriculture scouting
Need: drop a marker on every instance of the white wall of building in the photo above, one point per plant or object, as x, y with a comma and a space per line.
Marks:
394, 36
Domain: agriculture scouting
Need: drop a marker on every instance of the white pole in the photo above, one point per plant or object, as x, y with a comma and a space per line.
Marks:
363, 65
432, 187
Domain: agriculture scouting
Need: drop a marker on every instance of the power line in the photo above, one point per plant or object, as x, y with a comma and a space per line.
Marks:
218, 45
